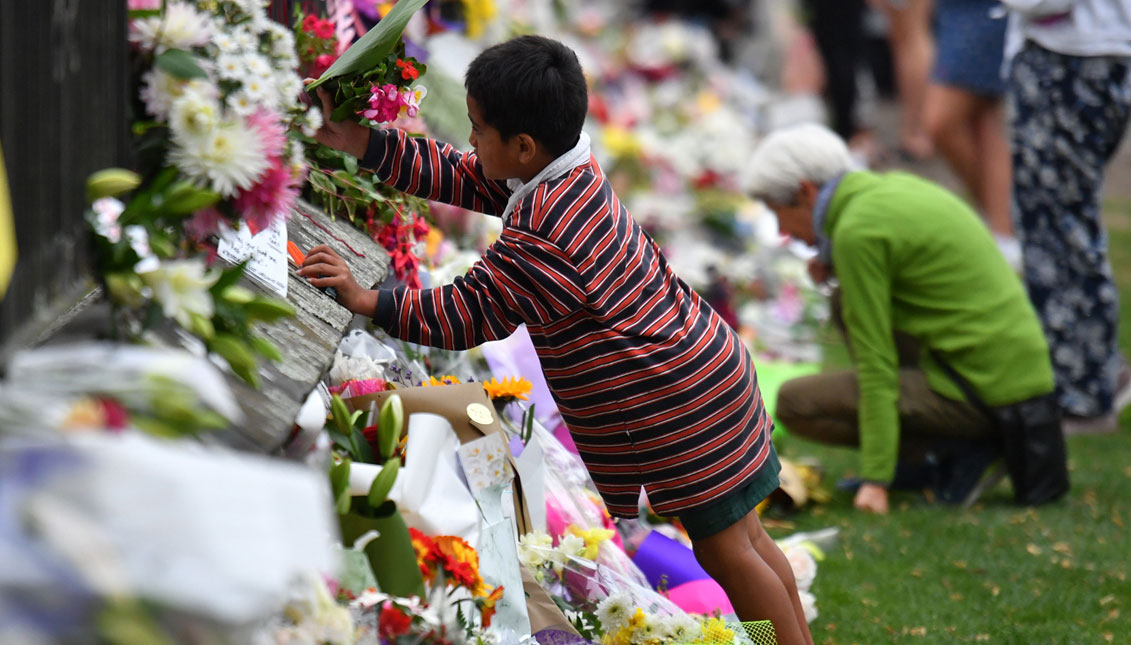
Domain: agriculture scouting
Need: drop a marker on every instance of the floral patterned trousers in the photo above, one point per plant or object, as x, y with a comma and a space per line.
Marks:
1069, 114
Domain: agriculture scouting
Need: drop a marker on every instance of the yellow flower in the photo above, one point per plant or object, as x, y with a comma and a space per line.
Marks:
593, 539
509, 388
477, 13
446, 379
715, 631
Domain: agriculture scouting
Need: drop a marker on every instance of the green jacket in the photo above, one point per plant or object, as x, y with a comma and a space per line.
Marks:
911, 256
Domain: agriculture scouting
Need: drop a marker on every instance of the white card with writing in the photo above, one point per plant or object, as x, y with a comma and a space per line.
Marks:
267, 252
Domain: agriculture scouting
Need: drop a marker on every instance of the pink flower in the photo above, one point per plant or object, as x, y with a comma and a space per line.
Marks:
324, 29
135, 5
270, 130
272, 197
203, 224
384, 103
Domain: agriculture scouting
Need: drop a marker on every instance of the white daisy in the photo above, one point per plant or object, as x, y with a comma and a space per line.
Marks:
257, 66
247, 41
182, 27
614, 612
230, 67
224, 42
242, 103
196, 112
229, 159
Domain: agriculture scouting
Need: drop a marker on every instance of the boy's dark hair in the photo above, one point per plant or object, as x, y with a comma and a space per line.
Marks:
531, 85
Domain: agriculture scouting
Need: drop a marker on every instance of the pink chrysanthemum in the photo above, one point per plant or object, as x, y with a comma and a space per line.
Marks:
271, 132
272, 197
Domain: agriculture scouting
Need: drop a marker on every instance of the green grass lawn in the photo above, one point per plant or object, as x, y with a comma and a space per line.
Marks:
995, 573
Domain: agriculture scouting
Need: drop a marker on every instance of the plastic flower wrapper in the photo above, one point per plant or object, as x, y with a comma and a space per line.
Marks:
88, 515
105, 385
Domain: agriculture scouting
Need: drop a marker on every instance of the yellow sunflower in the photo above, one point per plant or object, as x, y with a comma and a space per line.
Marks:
509, 389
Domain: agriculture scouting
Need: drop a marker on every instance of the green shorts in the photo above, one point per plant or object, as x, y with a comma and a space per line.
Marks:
705, 521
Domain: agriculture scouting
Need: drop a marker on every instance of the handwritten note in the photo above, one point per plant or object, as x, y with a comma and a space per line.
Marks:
267, 252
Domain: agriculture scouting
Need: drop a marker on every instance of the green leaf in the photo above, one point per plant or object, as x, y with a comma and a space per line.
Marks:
228, 278
364, 450
178, 63
188, 203
340, 440
389, 425
340, 485
343, 111
265, 348
351, 164
143, 13
268, 309
383, 482
374, 46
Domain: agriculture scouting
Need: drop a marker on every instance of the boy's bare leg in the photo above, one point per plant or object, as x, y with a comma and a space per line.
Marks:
755, 589
773, 556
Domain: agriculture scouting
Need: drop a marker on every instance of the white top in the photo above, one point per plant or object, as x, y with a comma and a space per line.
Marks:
1072, 27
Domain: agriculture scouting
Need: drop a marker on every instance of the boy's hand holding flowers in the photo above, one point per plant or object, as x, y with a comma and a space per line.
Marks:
348, 135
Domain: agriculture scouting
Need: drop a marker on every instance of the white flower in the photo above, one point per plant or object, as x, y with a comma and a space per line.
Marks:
803, 564
181, 286
533, 549
646, 631
246, 40
257, 66
224, 43
260, 89
571, 545
242, 103
230, 66
282, 42
196, 112
614, 612
679, 628
228, 159
313, 122
182, 27
158, 92
808, 605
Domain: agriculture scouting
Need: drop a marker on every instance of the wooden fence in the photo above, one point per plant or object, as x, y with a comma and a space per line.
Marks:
64, 82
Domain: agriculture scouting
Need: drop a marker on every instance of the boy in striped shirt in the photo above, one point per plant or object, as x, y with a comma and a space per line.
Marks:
656, 390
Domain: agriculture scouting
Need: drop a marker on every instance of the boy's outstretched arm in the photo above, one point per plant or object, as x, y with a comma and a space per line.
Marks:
415, 165
518, 280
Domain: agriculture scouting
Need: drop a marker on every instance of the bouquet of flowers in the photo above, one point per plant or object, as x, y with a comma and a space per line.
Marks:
217, 109
376, 83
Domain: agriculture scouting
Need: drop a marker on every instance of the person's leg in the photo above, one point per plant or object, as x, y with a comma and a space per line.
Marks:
773, 556
995, 166
1061, 141
948, 117
838, 28
913, 54
754, 588
824, 408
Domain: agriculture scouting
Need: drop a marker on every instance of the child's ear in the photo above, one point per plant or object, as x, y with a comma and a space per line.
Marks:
527, 148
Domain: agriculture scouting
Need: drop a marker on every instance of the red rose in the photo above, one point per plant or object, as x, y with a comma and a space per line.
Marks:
309, 23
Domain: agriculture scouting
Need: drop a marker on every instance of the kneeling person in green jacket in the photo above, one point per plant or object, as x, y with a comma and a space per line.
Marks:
909, 257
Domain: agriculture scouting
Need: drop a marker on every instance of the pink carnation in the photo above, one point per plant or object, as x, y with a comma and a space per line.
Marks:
270, 130
272, 197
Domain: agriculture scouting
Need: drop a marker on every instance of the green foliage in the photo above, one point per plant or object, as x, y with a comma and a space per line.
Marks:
179, 63
375, 46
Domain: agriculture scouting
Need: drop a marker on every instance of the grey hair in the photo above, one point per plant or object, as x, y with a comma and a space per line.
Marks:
789, 156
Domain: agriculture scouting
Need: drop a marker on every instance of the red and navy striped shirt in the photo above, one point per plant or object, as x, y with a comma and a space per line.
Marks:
655, 388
